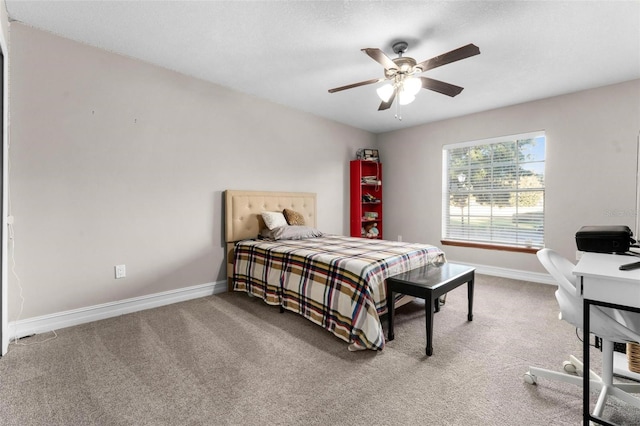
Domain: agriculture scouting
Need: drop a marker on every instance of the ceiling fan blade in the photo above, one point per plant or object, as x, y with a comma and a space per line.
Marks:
446, 58
441, 86
379, 56
386, 105
351, 86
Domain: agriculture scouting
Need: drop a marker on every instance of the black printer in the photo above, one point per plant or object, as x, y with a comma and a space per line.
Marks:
604, 239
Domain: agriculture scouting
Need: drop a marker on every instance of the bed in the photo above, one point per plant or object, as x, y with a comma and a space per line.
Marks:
335, 281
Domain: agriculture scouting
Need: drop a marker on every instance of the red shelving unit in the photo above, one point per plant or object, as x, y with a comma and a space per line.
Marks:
366, 198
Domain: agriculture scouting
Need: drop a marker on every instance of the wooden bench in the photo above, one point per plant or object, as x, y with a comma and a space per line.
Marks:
429, 283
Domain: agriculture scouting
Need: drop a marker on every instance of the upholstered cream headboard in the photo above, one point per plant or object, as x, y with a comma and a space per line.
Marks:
243, 208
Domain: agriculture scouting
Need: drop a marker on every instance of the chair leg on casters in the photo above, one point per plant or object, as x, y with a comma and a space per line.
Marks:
602, 399
604, 385
621, 391
579, 368
572, 372
607, 376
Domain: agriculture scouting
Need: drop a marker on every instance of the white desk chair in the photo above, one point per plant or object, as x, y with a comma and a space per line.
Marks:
610, 325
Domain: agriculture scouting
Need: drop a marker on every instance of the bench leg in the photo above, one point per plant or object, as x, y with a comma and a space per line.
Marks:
429, 313
390, 313
470, 297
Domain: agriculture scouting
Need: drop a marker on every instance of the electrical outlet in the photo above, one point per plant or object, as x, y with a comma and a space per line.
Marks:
399, 237
121, 271
578, 254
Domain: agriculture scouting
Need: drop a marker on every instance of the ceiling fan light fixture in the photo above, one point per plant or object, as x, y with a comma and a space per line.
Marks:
405, 98
411, 86
385, 92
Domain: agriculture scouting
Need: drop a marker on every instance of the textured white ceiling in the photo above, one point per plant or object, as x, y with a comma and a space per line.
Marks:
292, 52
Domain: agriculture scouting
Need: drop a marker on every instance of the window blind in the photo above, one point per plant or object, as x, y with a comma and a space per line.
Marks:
493, 190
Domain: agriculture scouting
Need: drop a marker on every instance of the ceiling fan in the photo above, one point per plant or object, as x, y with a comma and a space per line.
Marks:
401, 73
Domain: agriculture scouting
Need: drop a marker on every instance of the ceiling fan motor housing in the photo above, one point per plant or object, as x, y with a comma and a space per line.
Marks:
406, 65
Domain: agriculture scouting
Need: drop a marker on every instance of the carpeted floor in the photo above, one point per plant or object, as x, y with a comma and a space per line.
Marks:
232, 360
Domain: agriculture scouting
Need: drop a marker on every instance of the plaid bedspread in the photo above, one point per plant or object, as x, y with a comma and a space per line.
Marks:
334, 281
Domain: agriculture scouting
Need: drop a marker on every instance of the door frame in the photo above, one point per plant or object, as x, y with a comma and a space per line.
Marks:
4, 181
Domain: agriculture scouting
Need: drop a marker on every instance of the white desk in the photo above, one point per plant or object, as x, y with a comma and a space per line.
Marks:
601, 283
602, 280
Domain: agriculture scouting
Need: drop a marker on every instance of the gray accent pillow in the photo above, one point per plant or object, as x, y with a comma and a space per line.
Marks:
294, 232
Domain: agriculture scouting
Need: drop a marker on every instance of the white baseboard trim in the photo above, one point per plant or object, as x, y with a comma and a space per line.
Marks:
514, 274
56, 321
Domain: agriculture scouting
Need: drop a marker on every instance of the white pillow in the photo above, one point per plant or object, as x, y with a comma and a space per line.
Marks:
274, 219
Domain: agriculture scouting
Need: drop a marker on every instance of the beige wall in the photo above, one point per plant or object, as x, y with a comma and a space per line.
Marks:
114, 161
592, 139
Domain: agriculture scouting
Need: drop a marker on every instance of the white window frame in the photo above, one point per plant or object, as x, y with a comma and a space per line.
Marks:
497, 237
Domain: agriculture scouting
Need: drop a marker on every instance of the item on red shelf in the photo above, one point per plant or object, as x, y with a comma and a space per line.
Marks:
371, 230
368, 198
368, 154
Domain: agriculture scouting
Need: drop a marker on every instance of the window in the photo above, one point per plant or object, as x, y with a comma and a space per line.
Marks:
493, 192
